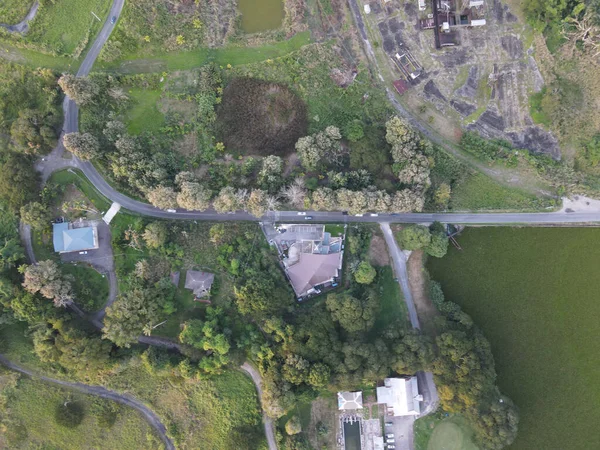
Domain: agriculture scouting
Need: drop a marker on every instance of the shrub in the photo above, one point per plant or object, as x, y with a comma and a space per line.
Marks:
293, 426
69, 414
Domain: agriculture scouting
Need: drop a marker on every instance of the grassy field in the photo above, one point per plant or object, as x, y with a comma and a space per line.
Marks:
534, 293
186, 60
390, 299
65, 27
13, 11
443, 433
28, 418
144, 115
479, 192
220, 412
90, 286
70, 176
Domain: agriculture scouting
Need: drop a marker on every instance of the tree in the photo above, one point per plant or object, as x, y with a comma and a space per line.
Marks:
114, 130
323, 145
365, 273
47, 279
293, 426
295, 369
257, 203
324, 199
271, 172
319, 375
414, 237
407, 200
69, 414
163, 197
156, 234
18, 181
83, 145
32, 132
255, 297
193, 196
354, 131
138, 307
351, 313
438, 246
36, 215
295, 193
82, 90
442, 194
230, 200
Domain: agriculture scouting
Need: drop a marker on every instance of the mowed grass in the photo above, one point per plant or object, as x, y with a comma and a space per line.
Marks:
391, 301
144, 115
61, 26
30, 411
534, 293
436, 432
479, 192
91, 287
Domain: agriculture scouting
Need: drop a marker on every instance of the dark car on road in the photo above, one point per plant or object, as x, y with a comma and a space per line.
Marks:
113, 20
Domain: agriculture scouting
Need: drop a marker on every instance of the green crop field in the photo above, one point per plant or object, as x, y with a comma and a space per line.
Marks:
534, 293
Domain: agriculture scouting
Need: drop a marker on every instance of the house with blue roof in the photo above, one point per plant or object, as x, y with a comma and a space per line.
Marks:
68, 239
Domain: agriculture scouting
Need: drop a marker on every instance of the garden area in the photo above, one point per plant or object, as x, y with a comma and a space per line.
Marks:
533, 293
441, 431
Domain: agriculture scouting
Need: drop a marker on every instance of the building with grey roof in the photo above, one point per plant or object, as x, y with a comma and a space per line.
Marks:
350, 401
67, 239
199, 282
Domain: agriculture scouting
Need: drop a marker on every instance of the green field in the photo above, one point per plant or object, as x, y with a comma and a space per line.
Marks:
28, 409
534, 293
144, 115
436, 432
63, 27
91, 287
479, 192
13, 11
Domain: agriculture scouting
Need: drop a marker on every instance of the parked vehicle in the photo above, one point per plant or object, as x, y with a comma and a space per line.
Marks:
301, 213
391, 447
390, 441
374, 215
83, 253
389, 424
390, 436
113, 20
308, 218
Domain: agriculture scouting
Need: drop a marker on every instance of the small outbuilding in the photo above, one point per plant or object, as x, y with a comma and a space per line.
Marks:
199, 282
350, 401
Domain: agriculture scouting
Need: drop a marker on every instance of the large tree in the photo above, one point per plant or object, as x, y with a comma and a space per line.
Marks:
82, 90
83, 145
414, 237
193, 196
47, 279
351, 313
155, 234
163, 197
365, 273
18, 181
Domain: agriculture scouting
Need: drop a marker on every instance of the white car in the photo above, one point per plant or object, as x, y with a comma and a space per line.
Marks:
301, 213
390, 441
358, 215
374, 215
83, 253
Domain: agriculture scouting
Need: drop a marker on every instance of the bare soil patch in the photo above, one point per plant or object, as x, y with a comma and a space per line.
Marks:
378, 253
419, 286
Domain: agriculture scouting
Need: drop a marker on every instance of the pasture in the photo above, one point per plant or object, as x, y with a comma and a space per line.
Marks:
534, 293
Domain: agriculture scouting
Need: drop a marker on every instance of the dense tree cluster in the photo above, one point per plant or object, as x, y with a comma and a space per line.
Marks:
323, 147
432, 240
465, 377
409, 153
47, 279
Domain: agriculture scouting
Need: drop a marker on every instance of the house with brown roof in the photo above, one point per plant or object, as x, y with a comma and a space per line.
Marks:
199, 282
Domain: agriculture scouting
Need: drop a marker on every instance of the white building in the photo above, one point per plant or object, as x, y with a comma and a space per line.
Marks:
350, 401
401, 396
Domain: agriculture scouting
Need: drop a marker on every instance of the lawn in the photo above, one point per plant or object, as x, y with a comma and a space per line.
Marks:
335, 229
30, 411
443, 433
90, 286
479, 192
534, 293
76, 177
66, 27
392, 306
144, 114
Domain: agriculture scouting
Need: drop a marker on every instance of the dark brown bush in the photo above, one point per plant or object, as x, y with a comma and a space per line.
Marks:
261, 118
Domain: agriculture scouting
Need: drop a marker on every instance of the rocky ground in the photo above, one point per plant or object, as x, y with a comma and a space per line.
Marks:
483, 83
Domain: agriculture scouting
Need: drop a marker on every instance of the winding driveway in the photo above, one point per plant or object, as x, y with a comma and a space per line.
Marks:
267, 422
100, 391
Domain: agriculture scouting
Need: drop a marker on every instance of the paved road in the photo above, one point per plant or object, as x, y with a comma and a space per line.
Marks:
23, 25
399, 257
25, 234
100, 391
267, 422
